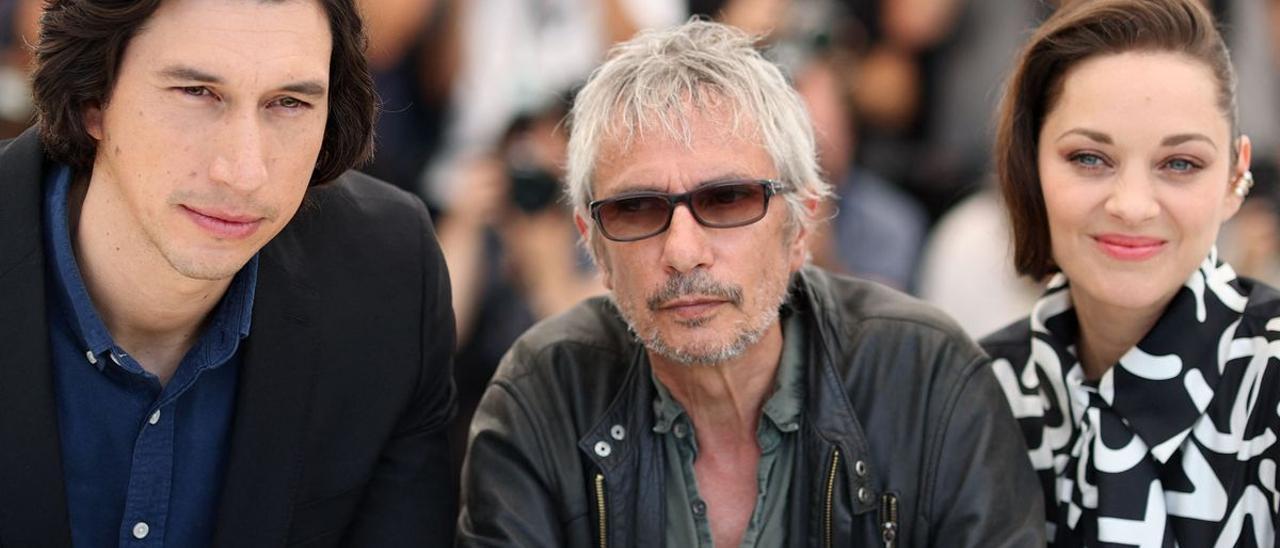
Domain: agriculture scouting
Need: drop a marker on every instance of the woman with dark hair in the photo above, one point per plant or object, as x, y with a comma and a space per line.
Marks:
1145, 378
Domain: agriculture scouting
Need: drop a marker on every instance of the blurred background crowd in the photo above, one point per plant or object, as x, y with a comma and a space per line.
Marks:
902, 95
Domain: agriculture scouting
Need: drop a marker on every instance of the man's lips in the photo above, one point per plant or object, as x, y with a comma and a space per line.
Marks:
223, 224
689, 308
1129, 248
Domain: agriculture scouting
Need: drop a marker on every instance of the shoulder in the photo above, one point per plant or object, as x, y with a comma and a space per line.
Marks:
358, 198
880, 337
1011, 342
590, 337
859, 308
357, 223
1263, 303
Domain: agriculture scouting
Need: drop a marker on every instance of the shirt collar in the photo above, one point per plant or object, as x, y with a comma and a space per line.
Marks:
232, 316
782, 409
1162, 385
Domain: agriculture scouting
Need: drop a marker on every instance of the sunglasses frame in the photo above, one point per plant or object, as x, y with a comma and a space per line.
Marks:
771, 189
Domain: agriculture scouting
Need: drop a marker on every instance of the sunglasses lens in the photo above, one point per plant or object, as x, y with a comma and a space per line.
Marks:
730, 205
634, 218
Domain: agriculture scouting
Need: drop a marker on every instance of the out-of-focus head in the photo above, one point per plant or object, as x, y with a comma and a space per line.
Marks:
1117, 147
688, 112
83, 42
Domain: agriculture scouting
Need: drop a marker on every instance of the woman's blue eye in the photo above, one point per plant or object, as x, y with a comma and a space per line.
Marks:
1180, 164
1088, 160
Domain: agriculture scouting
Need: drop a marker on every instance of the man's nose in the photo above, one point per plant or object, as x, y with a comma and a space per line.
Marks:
686, 246
239, 159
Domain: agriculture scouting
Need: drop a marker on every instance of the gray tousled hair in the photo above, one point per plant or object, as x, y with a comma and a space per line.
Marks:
657, 79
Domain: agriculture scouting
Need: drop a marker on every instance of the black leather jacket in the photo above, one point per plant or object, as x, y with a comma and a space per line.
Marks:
907, 439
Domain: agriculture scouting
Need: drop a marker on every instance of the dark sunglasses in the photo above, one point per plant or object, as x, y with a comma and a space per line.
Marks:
639, 215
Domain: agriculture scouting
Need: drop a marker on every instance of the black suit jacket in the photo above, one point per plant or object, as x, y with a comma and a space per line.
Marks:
345, 389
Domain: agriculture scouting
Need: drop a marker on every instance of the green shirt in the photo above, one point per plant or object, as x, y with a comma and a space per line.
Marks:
686, 523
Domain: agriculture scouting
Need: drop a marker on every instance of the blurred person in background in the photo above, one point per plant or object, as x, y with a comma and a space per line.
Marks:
511, 247
414, 55
966, 267
875, 230
725, 393
514, 56
19, 25
1147, 377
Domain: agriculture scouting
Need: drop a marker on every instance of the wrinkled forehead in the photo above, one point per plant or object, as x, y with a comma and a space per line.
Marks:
679, 149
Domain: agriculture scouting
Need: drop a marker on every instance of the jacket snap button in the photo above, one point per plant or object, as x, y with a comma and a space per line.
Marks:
618, 432
860, 468
603, 449
864, 495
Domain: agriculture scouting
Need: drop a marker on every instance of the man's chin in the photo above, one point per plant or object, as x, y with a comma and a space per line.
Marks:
207, 268
704, 353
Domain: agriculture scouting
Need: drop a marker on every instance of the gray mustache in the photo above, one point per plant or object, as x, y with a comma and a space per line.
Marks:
697, 282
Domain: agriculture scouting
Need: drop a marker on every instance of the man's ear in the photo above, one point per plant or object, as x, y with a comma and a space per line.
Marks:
596, 253
92, 114
799, 250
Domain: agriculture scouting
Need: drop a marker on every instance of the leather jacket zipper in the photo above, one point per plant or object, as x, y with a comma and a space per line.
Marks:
604, 532
889, 520
828, 521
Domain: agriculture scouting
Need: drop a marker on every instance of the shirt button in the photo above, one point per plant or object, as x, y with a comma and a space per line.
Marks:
679, 430
140, 530
860, 468
699, 508
155, 417
603, 449
618, 432
114, 358
864, 495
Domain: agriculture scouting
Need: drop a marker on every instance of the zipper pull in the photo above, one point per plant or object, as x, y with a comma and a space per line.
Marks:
889, 519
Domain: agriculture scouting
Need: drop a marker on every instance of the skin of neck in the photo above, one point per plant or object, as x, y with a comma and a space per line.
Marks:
152, 312
725, 400
1108, 331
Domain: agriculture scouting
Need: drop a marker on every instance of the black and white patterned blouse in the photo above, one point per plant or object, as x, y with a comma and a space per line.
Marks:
1176, 444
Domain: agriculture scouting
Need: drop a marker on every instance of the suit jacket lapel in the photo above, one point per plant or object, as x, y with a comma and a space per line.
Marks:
273, 404
33, 506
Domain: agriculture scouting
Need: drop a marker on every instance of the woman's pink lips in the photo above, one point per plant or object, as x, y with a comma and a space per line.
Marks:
1129, 248
223, 225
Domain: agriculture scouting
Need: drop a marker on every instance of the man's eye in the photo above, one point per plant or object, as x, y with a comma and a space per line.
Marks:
290, 103
195, 91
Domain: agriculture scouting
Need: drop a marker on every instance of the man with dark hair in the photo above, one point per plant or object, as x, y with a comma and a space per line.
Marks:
213, 335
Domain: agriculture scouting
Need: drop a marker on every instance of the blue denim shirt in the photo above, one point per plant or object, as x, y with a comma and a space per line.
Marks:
143, 463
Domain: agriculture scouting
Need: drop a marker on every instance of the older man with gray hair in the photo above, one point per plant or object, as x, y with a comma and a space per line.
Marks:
726, 393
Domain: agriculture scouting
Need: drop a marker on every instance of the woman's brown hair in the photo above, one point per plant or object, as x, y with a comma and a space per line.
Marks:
1080, 30
82, 43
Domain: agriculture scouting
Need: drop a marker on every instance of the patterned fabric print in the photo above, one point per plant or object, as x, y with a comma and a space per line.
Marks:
1176, 444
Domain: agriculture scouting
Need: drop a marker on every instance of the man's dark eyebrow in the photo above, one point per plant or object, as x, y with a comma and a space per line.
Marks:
179, 72
310, 88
